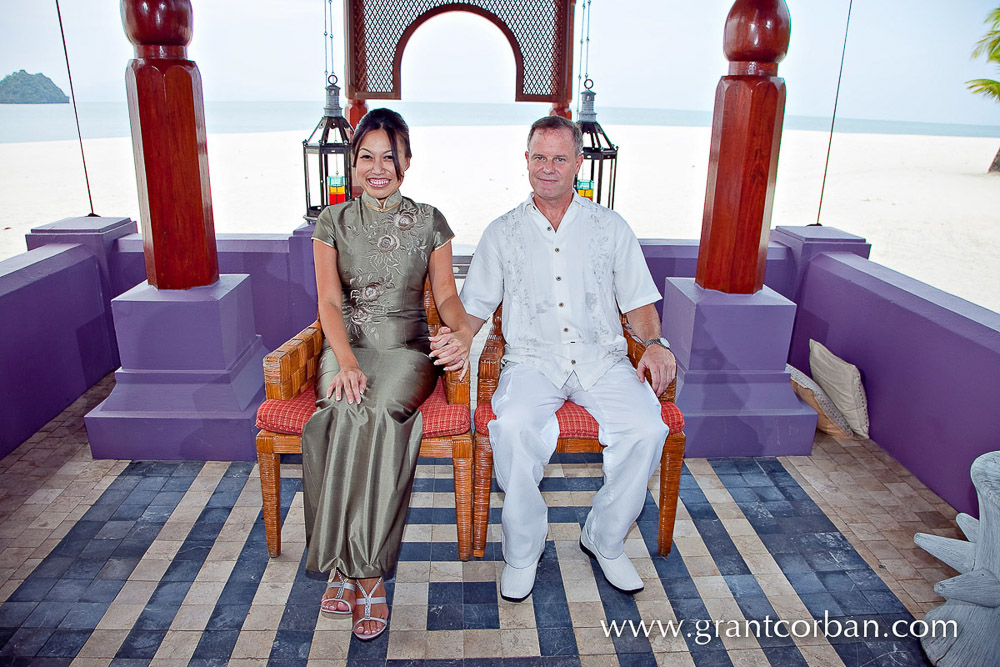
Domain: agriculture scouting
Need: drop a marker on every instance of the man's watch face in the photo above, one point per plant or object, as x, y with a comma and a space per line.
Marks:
663, 342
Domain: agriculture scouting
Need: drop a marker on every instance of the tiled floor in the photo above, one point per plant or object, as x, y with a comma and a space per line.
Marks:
153, 563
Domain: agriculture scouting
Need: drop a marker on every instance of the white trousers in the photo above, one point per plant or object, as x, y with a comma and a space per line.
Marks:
523, 437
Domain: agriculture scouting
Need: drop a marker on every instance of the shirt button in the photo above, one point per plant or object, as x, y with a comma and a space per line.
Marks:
572, 361
548, 229
565, 329
558, 277
557, 249
560, 304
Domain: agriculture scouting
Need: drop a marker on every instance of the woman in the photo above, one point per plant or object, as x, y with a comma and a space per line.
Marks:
359, 450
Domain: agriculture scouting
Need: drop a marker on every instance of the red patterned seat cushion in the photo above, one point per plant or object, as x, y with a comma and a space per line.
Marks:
440, 419
575, 422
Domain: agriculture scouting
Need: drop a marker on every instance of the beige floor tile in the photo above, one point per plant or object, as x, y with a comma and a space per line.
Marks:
447, 643
103, 643
195, 617
254, 644
120, 617
178, 646
330, 645
518, 643
483, 643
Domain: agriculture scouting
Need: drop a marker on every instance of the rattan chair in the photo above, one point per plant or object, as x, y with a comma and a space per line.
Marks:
289, 379
577, 433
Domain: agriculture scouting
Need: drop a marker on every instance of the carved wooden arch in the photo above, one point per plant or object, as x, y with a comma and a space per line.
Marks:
541, 39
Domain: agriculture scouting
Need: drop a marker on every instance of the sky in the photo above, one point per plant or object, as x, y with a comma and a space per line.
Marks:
907, 60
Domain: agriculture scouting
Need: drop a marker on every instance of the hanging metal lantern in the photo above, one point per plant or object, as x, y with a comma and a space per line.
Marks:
596, 179
326, 156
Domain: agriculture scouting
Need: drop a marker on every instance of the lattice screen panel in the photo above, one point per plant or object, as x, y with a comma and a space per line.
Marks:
542, 30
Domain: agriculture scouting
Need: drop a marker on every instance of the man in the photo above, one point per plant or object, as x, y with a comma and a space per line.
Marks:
563, 266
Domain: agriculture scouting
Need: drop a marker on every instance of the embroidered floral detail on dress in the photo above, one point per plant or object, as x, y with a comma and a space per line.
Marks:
405, 220
364, 308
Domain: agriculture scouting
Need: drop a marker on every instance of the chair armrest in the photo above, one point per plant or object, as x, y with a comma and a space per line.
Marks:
489, 367
289, 369
457, 391
636, 348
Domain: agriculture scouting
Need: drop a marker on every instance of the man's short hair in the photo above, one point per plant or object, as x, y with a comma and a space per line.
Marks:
546, 123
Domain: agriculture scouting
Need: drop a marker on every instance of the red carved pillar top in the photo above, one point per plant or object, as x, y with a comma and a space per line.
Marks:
746, 134
167, 113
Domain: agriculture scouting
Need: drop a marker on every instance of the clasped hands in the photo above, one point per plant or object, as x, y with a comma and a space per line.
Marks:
451, 350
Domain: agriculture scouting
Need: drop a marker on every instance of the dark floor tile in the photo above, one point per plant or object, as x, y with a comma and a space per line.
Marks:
479, 592
13, 614
156, 617
637, 660
26, 642
556, 641
216, 644
52, 567
84, 568
118, 568
141, 644
481, 616
552, 615
170, 593
83, 615
445, 592
182, 570
46, 615
805, 582
102, 590
32, 590
100, 549
64, 643
884, 602
228, 617
291, 645
677, 588
445, 617
820, 604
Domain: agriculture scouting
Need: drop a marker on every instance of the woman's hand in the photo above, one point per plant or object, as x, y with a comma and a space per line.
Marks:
350, 382
451, 349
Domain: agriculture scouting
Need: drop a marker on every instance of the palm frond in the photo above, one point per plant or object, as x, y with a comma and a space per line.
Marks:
989, 45
987, 87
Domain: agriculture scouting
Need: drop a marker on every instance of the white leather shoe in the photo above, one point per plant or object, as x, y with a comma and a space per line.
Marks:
619, 571
516, 582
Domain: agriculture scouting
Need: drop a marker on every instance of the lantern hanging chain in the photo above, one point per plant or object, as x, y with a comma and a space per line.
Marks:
833, 118
76, 114
328, 19
583, 71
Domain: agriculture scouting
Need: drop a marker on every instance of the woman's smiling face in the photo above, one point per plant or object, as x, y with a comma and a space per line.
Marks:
375, 168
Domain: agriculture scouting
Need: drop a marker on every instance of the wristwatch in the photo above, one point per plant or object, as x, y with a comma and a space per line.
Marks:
658, 341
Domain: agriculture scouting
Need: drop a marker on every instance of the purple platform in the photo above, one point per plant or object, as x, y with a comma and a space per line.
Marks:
930, 363
98, 235
191, 377
731, 381
54, 333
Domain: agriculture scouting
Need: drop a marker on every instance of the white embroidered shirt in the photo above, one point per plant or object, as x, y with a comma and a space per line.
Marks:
561, 289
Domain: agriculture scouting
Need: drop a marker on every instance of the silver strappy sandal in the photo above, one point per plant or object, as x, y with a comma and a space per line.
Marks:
340, 583
368, 600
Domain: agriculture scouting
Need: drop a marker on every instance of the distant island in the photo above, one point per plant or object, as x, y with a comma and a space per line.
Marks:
23, 88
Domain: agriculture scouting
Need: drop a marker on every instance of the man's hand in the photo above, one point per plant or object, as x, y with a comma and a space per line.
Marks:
452, 350
662, 367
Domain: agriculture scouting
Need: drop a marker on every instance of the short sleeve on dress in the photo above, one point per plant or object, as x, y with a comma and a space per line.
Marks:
324, 228
440, 230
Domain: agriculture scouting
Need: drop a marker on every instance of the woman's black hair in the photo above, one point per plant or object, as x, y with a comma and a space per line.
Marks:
395, 128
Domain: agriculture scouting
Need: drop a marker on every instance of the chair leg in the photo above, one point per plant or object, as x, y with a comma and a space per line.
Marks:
483, 455
269, 464
462, 467
670, 481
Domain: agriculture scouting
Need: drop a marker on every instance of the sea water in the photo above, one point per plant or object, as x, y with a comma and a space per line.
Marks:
55, 122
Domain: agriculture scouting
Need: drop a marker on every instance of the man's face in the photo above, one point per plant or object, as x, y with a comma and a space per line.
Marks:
552, 164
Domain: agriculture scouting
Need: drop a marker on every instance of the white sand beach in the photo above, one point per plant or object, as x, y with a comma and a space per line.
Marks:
925, 203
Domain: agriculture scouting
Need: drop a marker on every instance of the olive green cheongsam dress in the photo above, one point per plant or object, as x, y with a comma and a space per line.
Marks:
358, 460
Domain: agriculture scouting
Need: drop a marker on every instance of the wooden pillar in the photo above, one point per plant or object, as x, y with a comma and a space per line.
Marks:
167, 113
746, 134
356, 110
